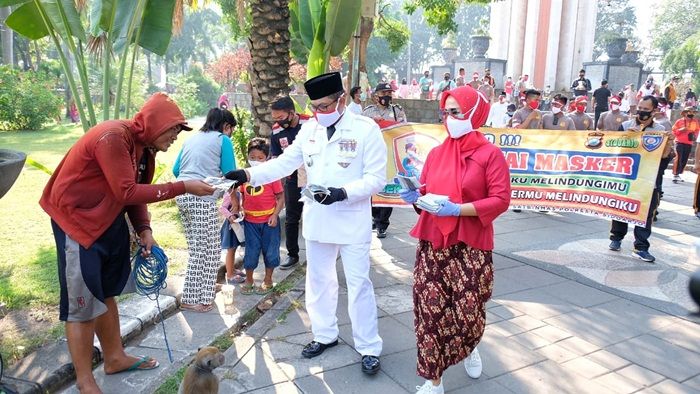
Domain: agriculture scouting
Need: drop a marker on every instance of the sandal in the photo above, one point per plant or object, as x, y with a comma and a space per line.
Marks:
144, 363
264, 289
248, 288
236, 278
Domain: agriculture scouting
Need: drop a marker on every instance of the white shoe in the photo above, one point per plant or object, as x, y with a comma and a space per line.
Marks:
473, 364
676, 179
428, 388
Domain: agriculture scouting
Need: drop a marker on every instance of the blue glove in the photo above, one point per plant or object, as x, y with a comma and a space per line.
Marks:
448, 208
410, 196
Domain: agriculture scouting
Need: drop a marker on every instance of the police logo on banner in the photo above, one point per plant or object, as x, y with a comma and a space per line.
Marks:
652, 142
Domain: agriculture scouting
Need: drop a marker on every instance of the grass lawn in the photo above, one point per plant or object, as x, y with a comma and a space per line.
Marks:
28, 275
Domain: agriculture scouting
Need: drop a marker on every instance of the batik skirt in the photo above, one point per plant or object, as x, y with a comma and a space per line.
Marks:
450, 290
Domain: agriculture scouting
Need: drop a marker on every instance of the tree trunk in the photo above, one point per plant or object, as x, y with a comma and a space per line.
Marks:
6, 36
37, 64
269, 47
149, 73
366, 27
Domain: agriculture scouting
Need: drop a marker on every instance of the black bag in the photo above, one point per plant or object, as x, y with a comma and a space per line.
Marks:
691, 136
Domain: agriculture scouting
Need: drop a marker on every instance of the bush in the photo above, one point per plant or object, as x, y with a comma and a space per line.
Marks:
185, 95
27, 99
195, 93
208, 91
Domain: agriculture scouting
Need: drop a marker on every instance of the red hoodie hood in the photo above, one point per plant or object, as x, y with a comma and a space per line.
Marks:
157, 115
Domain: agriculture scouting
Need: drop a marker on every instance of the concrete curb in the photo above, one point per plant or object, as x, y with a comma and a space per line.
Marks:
49, 368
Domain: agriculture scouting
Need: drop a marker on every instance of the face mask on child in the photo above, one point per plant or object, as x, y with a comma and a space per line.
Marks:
254, 163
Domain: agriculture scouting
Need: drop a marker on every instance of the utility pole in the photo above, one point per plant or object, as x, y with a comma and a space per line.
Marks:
7, 41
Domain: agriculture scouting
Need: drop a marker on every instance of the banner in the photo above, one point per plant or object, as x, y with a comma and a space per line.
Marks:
606, 174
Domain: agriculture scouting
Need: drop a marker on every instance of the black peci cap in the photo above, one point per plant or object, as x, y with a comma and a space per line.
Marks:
323, 85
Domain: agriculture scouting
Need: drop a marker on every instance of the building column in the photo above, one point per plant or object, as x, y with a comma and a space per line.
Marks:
567, 45
530, 44
499, 29
516, 40
552, 58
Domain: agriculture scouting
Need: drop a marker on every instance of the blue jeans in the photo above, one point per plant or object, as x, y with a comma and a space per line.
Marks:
259, 237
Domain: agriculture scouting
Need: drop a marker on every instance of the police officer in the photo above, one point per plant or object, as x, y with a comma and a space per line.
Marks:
581, 119
284, 131
557, 119
612, 120
383, 110
345, 153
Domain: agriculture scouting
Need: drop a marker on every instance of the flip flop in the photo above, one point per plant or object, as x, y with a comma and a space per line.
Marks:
247, 289
140, 365
264, 289
236, 278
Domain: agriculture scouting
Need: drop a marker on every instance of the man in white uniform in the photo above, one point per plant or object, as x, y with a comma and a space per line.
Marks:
345, 153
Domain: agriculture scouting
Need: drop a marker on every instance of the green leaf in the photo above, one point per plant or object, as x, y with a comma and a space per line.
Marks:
120, 27
26, 20
294, 17
156, 30
101, 16
71, 25
316, 8
306, 24
342, 17
38, 165
6, 3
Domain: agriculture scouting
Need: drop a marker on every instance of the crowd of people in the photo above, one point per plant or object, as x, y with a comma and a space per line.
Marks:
341, 149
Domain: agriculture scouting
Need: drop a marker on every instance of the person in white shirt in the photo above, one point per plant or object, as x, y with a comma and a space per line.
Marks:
356, 99
497, 115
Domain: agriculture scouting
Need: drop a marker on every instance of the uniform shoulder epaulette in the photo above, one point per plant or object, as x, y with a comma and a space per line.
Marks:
369, 106
397, 106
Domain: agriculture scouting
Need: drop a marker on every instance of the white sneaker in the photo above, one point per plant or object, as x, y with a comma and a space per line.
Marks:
428, 388
473, 364
676, 179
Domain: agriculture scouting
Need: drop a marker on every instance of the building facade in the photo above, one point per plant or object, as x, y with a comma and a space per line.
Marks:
549, 40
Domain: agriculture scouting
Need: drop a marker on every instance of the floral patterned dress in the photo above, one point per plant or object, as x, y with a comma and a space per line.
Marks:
451, 287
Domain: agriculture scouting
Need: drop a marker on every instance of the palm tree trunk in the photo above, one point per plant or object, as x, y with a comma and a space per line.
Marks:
269, 48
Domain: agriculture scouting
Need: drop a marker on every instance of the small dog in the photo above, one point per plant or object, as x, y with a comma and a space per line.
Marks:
199, 378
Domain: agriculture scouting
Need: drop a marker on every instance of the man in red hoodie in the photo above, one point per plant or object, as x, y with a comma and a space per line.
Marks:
106, 174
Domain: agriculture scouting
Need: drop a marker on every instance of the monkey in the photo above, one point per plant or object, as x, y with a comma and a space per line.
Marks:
199, 378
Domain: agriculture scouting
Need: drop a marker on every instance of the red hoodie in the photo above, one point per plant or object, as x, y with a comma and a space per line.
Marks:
99, 176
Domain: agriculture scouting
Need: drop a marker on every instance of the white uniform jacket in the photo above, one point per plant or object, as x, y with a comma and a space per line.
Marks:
354, 159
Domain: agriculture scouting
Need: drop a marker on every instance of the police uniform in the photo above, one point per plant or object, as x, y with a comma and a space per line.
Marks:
393, 112
611, 120
354, 158
563, 122
582, 120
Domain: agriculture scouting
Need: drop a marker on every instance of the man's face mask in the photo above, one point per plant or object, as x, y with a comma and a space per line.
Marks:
385, 100
447, 77
286, 123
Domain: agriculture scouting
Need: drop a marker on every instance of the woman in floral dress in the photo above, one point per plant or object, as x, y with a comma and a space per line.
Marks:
453, 275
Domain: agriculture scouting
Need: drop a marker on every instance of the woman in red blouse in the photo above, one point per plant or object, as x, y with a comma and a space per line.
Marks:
453, 274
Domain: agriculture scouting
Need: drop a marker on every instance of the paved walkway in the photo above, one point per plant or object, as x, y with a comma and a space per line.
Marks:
567, 316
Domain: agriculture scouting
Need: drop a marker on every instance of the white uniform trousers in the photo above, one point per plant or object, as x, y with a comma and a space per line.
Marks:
322, 294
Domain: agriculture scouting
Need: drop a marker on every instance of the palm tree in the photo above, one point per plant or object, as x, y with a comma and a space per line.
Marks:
269, 48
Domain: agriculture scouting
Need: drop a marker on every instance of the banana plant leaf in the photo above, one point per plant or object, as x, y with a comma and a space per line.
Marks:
306, 25
57, 10
157, 26
342, 17
27, 21
7, 3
